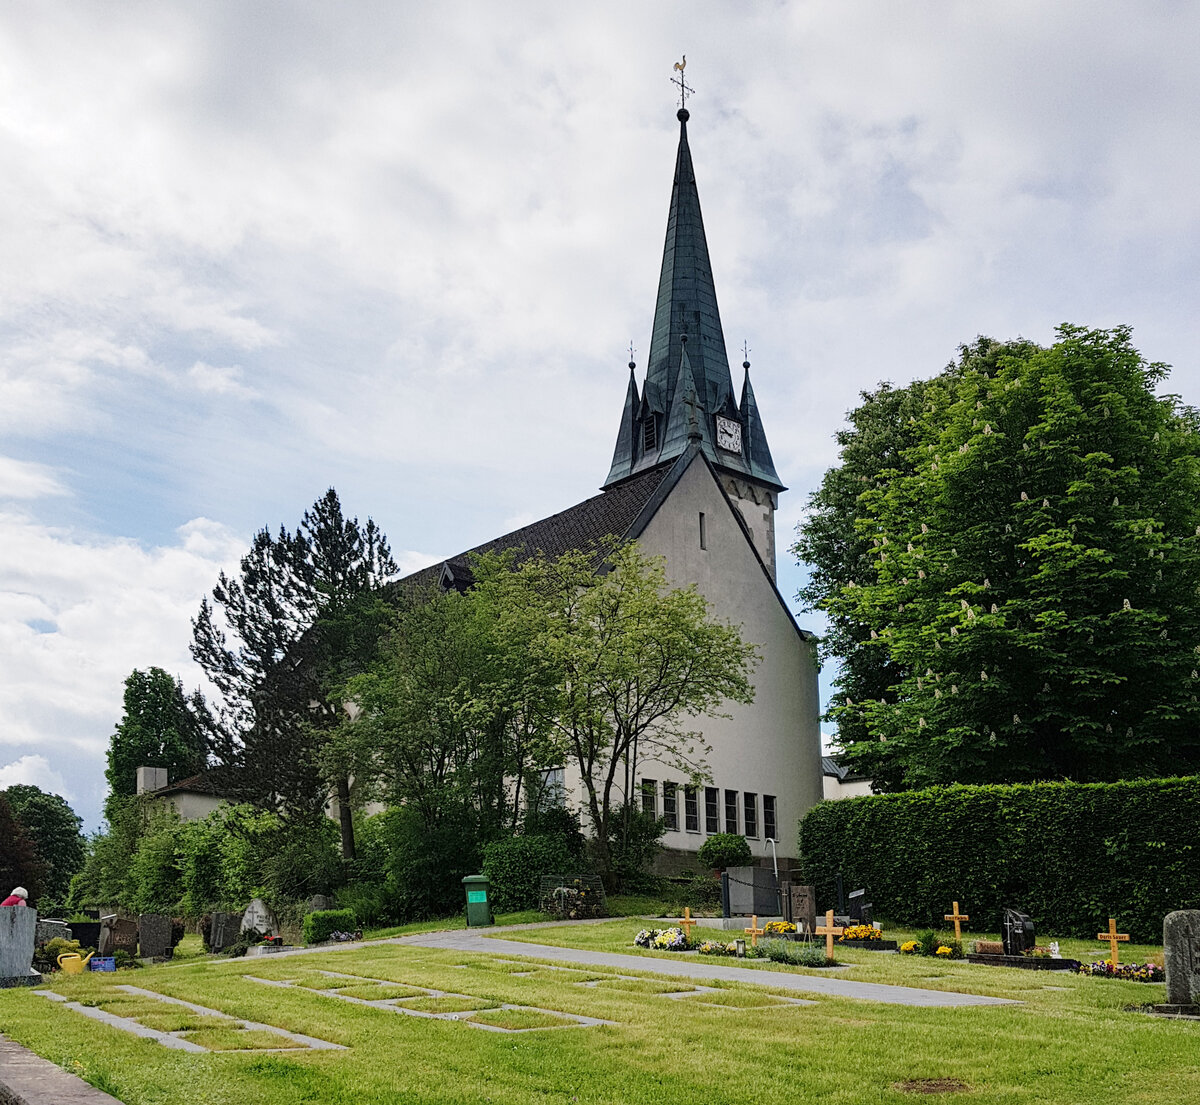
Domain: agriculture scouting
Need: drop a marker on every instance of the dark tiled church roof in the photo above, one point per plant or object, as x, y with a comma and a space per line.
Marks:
612, 512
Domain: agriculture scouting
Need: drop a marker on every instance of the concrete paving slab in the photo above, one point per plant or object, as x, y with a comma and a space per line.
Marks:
28, 1079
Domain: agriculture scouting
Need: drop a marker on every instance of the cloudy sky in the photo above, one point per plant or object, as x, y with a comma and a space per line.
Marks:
250, 251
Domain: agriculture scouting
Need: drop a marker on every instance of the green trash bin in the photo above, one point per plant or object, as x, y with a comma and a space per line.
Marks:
479, 909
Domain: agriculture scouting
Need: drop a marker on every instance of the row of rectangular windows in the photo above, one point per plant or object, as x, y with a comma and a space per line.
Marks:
747, 808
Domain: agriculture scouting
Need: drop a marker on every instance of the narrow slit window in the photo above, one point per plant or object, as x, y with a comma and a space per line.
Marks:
670, 808
750, 813
712, 810
731, 811
691, 810
649, 435
769, 816
703, 532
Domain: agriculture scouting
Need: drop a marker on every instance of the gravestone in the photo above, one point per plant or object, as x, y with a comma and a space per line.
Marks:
223, 932
318, 902
87, 933
117, 934
803, 907
1181, 951
18, 929
752, 890
154, 936
259, 916
49, 929
861, 911
1016, 931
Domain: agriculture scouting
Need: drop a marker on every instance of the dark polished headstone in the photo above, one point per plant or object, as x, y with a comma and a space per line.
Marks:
117, 934
223, 931
1016, 932
154, 936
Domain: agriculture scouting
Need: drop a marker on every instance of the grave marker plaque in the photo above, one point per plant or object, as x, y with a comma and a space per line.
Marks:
261, 918
117, 934
154, 936
1181, 951
804, 907
18, 927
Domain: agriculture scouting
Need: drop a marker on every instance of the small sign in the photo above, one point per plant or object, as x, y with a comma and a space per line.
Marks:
476, 895
107, 963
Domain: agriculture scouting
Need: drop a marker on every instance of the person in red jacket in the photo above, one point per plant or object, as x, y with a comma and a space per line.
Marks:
17, 897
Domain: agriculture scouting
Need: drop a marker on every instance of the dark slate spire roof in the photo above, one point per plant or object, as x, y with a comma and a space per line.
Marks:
754, 439
687, 332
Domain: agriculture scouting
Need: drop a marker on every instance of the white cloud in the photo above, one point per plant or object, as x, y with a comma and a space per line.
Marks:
251, 252
21, 479
34, 771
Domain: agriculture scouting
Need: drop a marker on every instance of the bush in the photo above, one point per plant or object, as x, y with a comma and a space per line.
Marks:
515, 868
320, 923
45, 956
799, 953
723, 850
1070, 854
631, 856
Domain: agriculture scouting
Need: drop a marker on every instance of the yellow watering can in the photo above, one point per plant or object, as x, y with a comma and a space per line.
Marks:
73, 964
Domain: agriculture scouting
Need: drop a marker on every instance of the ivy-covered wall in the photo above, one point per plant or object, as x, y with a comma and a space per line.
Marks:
1069, 854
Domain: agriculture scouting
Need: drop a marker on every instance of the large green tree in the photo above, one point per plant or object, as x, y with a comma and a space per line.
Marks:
1031, 574
278, 641
160, 727
54, 829
633, 665
20, 864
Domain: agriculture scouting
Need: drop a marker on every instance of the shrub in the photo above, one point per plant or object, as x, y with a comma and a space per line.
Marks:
799, 953
320, 923
632, 855
515, 867
45, 956
1072, 852
723, 850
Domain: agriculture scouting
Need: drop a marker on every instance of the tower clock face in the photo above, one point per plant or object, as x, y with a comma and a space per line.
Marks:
729, 435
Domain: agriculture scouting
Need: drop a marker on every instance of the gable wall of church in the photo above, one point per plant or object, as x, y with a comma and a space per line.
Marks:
771, 747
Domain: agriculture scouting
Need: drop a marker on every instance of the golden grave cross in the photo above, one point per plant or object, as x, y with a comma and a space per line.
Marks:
829, 930
1112, 936
956, 917
687, 923
754, 932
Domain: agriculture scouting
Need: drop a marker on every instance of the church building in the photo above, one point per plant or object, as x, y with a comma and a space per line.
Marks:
692, 481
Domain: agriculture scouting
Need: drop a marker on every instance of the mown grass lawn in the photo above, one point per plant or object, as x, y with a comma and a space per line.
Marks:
1058, 1046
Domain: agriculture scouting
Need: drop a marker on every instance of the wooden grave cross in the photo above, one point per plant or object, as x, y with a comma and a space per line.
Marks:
829, 930
957, 918
687, 923
754, 932
1112, 936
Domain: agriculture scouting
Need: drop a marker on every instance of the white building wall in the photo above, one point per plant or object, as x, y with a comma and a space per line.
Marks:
771, 747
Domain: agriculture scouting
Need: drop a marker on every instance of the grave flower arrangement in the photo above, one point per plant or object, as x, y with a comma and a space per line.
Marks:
776, 928
717, 947
1130, 972
910, 947
860, 932
670, 939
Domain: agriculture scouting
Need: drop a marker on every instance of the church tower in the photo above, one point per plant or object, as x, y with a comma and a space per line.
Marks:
688, 391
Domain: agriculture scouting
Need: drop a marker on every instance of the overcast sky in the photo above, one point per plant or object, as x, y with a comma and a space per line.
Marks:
249, 251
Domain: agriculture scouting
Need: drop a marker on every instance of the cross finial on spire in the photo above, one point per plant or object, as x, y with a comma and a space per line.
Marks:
632, 363
746, 355
684, 89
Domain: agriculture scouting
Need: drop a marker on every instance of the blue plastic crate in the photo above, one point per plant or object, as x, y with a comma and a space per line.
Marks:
106, 963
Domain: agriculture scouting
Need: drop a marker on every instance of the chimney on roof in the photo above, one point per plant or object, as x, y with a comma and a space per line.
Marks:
151, 779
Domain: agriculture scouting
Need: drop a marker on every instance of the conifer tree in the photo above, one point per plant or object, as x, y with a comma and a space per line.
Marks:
278, 641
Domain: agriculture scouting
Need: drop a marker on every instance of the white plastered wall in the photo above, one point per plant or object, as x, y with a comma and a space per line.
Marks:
772, 746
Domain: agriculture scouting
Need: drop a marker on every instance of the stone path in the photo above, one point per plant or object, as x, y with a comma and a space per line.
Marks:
28, 1079
467, 941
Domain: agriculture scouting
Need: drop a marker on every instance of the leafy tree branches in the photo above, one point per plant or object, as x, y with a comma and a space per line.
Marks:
1020, 600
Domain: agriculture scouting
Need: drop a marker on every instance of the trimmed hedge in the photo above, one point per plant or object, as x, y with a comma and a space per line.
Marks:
515, 867
321, 922
1071, 855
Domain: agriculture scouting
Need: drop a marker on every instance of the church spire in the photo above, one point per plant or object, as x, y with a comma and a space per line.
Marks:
687, 336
